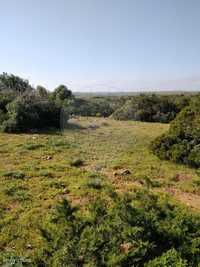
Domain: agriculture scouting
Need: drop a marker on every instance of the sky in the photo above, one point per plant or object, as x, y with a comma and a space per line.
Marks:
102, 45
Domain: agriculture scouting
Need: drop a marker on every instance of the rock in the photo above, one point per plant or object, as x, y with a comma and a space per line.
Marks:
122, 173
125, 247
66, 191
29, 246
125, 172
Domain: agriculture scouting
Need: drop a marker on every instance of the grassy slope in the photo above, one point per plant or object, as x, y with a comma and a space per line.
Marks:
35, 173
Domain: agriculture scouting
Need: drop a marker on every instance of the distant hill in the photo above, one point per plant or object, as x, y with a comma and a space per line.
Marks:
133, 93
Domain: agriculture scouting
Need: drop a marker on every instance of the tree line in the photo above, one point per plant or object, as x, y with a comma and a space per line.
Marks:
23, 108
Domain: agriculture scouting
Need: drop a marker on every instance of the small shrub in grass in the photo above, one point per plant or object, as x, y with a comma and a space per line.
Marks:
9, 259
14, 174
13, 190
169, 259
45, 173
77, 163
59, 143
31, 146
94, 175
196, 182
150, 183
95, 183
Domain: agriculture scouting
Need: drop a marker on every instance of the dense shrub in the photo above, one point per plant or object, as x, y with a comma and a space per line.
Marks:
23, 108
61, 94
151, 108
13, 82
94, 106
170, 258
28, 112
182, 142
136, 230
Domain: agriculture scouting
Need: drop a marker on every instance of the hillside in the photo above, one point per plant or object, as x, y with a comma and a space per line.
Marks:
93, 158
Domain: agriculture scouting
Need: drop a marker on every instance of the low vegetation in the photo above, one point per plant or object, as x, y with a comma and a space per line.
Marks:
151, 108
93, 194
64, 201
24, 108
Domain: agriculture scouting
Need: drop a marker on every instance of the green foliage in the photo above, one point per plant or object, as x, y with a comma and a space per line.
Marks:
95, 183
170, 258
137, 230
11, 260
151, 108
94, 106
181, 144
61, 93
14, 174
42, 91
13, 82
77, 163
23, 108
28, 112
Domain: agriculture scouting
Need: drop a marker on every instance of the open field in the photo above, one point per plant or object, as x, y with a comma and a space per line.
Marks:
89, 159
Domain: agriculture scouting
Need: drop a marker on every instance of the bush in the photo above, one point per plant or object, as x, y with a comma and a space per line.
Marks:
170, 258
151, 108
28, 112
14, 174
77, 163
13, 82
95, 183
141, 229
23, 108
182, 142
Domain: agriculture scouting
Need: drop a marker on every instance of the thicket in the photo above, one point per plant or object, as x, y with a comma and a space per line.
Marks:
23, 108
141, 229
94, 106
182, 142
151, 108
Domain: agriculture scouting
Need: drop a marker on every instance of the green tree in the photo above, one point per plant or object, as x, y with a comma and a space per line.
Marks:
13, 82
42, 91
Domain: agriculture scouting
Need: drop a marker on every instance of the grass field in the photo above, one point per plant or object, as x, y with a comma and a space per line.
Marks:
91, 158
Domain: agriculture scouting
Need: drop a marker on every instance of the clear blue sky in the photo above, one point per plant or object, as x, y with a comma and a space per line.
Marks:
102, 44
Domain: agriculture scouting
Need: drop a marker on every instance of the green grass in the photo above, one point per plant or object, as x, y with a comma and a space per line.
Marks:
36, 171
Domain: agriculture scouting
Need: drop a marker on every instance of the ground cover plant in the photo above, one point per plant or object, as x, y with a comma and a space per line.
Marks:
47, 203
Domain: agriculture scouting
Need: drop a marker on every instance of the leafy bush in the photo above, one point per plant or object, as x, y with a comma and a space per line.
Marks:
23, 108
138, 229
151, 108
9, 259
28, 112
94, 106
14, 174
95, 183
13, 82
170, 258
77, 163
182, 142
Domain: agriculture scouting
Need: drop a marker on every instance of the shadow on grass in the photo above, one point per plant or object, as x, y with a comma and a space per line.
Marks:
74, 126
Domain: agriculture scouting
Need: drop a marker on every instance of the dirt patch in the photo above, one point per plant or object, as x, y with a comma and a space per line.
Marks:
189, 199
181, 177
